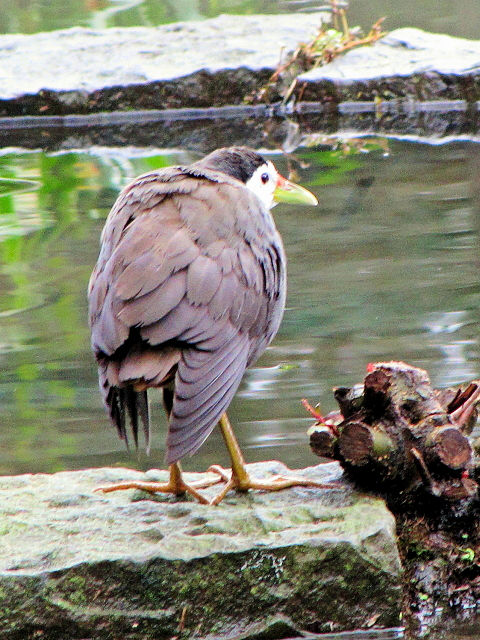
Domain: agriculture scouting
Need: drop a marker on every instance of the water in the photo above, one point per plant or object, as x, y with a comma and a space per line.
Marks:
386, 267
460, 18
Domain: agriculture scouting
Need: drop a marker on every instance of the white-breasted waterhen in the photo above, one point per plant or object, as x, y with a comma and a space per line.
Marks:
188, 291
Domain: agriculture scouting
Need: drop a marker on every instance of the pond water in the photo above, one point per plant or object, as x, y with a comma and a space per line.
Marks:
460, 18
386, 267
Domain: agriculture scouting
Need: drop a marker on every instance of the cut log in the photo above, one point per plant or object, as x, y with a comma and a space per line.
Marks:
448, 446
401, 435
463, 409
356, 443
322, 441
349, 400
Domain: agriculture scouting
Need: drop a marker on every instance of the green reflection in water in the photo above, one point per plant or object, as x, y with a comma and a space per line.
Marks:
40, 320
17, 16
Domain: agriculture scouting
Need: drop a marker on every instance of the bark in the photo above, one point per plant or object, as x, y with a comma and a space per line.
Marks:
396, 433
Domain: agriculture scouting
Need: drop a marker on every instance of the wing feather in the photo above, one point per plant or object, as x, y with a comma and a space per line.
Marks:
196, 368
197, 406
212, 378
140, 276
146, 309
222, 300
219, 340
148, 270
250, 270
192, 433
108, 331
203, 280
175, 324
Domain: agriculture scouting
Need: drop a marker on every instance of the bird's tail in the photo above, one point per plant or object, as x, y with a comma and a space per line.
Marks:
125, 404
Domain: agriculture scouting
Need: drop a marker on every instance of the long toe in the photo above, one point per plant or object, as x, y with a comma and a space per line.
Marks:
176, 489
275, 483
225, 474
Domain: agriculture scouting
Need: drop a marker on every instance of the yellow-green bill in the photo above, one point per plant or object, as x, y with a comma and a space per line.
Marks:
292, 193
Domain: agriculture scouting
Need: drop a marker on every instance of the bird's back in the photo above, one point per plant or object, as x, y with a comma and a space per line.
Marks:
189, 288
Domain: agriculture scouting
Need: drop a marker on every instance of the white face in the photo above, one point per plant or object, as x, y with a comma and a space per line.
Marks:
263, 183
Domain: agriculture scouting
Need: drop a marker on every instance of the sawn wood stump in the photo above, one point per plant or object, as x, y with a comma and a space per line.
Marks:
394, 433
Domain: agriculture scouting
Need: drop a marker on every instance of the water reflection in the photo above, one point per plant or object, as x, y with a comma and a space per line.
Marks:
460, 18
391, 273
374, 634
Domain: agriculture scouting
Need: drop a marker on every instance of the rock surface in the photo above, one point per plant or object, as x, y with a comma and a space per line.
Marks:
407, 63
188, 64
79, 564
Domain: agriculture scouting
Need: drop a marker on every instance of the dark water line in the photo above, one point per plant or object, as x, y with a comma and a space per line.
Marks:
407, 106
397, 633
134, 117
232, 111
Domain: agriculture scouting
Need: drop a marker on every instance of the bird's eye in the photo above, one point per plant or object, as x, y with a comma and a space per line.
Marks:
264, 178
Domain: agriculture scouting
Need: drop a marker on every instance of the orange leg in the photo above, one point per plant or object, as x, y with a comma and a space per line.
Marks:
239, 478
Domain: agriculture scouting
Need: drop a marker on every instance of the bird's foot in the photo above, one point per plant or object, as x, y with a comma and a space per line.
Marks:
275, 483
175, 485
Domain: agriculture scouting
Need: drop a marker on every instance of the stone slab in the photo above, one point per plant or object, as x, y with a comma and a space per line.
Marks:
78, 564
188, 64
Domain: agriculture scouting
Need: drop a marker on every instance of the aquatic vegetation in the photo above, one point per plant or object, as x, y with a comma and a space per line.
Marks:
331, 40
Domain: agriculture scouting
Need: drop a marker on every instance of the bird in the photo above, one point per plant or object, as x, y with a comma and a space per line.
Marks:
188, 291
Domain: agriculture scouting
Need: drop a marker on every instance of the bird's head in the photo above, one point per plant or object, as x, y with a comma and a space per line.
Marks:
259, 175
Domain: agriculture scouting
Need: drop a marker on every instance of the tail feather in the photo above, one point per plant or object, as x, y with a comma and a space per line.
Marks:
123, 401
144, 412
131, 404
116, 405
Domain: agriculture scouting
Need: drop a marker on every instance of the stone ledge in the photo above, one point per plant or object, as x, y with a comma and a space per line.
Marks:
218, 62
190, 64
77, 564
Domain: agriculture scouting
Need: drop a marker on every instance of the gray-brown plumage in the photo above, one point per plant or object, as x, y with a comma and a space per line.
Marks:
188, 291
